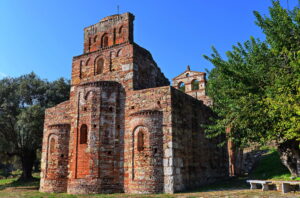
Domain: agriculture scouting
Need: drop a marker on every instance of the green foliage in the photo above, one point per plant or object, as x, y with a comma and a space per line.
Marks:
256, 89
22, 105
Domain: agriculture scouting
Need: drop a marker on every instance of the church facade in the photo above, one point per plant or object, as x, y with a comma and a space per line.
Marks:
124, 128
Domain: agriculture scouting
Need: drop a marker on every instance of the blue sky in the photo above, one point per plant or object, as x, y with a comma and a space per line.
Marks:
43, 36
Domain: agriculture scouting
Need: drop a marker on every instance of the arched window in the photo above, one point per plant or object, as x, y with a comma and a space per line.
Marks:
83, 134
95, 38
195, 85
105, 40
52, 145
99, 66
181, 86
140, 141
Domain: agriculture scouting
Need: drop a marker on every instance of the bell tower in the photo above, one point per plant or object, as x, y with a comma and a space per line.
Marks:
109, 31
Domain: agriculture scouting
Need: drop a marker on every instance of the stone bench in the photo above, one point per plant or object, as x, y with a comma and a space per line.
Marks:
255, 183
287, 186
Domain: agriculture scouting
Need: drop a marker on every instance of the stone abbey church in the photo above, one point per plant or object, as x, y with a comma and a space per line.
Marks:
124, 128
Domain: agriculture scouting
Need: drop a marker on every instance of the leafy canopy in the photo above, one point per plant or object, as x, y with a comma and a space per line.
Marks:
22, 105
256, 88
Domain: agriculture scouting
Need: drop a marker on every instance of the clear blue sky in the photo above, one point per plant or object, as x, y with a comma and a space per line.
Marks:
43, 35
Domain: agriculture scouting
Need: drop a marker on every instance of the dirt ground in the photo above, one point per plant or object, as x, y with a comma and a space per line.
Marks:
32, 192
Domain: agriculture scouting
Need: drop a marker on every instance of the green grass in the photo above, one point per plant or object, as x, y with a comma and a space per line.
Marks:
13, 182
6, 182
270, 167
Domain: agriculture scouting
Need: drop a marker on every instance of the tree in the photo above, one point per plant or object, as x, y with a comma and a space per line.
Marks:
256, 90
22, 105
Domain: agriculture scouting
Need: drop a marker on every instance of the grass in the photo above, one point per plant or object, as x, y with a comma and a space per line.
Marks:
271, 168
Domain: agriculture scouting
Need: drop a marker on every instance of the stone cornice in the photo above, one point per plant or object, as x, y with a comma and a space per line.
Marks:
146, 113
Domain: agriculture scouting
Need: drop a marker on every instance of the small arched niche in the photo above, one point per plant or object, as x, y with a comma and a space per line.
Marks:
52, 146
195, 84
99, 66
181, 86
104, 41
83, 134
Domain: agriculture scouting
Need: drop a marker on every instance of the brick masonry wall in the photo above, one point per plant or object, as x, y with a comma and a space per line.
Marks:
54, 163
116, 28
96, 167
196, 159
159, 132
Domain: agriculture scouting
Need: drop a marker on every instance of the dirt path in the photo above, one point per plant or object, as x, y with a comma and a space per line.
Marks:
32, 192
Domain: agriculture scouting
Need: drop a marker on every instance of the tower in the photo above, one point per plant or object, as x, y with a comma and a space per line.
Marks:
192, 83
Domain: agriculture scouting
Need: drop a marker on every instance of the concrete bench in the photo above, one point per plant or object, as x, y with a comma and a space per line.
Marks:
255, 183
287, 185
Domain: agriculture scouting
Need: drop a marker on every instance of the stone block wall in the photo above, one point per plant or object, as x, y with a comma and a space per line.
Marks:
147, 74
197, 160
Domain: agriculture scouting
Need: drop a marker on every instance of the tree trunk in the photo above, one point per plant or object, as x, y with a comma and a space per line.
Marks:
27, 160
290, 156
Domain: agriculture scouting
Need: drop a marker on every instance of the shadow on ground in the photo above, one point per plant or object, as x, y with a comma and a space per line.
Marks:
234, 183
32, 184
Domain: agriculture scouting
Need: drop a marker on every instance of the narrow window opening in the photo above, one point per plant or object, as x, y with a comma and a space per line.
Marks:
90, 43
80, 71
83, 134
140, 142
